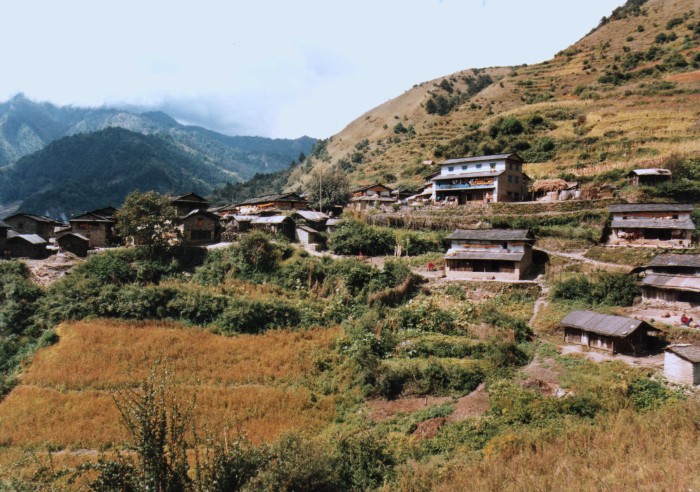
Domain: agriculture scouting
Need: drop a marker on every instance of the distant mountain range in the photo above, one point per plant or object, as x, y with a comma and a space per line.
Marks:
59, 160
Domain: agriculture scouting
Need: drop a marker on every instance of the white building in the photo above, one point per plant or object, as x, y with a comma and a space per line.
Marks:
485, 179
682, 364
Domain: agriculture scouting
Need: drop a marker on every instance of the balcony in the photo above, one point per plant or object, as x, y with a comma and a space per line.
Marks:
464, 186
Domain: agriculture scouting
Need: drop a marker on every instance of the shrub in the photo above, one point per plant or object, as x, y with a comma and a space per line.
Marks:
352, 238
615, 289
255, 316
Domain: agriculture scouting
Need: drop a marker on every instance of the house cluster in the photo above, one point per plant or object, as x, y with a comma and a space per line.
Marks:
25, 235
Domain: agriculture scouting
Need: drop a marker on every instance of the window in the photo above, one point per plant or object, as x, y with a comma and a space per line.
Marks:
464, 168
492, 165
517, 179
510, 178
478, 166
450, 169
20, 226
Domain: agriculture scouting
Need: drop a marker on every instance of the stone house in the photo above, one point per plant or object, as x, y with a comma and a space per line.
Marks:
187, 203
672, 277
199, 227
616, 334
97, 226
491, 254
24, 223
482, 179
659, 225
682, 364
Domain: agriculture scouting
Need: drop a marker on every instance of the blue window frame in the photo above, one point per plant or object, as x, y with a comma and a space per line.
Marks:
451, 168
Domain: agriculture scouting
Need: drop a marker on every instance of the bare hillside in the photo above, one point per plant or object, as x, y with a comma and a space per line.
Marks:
626, 94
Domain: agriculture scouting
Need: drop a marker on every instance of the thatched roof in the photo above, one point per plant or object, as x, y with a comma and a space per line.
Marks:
548, 185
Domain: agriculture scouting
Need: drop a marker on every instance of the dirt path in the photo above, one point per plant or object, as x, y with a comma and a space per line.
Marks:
539, 303
581, 257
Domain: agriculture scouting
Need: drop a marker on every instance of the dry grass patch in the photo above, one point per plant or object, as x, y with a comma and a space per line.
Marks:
106, 354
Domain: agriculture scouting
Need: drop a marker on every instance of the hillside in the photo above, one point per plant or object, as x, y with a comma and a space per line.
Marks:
27, 126
88, 171
626, 94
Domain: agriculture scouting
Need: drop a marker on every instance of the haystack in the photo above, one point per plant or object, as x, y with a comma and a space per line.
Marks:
547, 185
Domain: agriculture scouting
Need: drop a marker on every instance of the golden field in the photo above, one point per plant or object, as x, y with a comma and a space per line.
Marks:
254, 383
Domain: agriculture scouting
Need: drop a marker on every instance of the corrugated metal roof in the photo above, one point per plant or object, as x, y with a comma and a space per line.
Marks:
603, 324
311, 215
30, 238
651, 207
685, 224
482, 158
459, 254
479, 174
672, 282
688, 352
274, 219
652, 171
492, 234
675, 260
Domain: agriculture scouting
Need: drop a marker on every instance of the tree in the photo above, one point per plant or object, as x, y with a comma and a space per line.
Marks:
147, 218
327, 188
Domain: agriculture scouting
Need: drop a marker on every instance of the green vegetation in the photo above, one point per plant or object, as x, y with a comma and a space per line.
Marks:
613, 289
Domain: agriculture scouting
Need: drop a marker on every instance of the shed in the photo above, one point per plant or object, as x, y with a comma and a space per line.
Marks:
648, 176
276, 224
200, 227
616, 334
314, 220
306, 235
26, 245
74, 243
682, 363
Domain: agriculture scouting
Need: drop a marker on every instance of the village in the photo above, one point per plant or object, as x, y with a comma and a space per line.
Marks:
670, 281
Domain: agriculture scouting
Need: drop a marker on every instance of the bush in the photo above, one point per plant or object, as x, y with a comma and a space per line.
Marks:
352, 238
255, 316
614, 289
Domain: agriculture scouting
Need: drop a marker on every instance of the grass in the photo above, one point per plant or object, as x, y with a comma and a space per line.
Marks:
622, 256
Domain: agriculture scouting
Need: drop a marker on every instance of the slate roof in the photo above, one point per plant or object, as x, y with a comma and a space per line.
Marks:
30, 238
492, 234
651, 207
92, 217
477, 174
199, 211
653, 171
688, 352
603, 324
457, 254
363, 188
285, 197
37, 218
482, 158
675, 260
190, 198
686, 224
672, 282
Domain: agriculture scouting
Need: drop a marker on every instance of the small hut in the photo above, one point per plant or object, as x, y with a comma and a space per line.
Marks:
73, 243
682, 364
26, 246
276, 224
616, 334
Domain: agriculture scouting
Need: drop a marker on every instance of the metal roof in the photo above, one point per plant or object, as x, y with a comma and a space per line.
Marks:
672, 282
75, 234
457, 254
30, 238
244, 218
652, 171
651, 207
274, 219
482, 158
478, 174
653, 224
675, 260
373, 198
492, 234
312, 216
603, 324
307, 229
688, 352
199, 211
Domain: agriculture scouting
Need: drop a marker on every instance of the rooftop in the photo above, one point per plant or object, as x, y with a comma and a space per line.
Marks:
672, 282
688, 352
652, 171
482, 158
312, 216
285, 197
603, 324
653, 224
30, 238
458, 254
274, 219
492, 234
676, 260
37, 218
363, 188
651, 207
478, 174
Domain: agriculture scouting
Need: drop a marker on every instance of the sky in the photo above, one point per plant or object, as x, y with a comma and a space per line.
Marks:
274, 68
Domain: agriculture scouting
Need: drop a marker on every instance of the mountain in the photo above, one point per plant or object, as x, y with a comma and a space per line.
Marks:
27, 126
627, 94
92, 170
